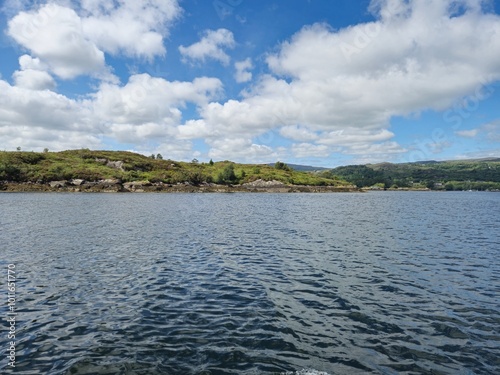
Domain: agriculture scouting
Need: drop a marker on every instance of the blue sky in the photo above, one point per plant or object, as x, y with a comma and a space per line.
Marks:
319, 82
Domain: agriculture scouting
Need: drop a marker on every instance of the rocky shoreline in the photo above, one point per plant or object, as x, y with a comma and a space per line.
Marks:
117, 186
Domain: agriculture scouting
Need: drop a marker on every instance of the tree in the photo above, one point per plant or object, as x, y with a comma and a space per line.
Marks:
159, 157
211, 162
227, 176
281, 166
152, 156
194, 161
195, 177
18, 148
45, 150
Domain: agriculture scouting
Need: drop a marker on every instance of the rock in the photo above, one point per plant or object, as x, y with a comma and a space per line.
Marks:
264, 184
115, 164
109, 182
58, 184
77, 182
137, 186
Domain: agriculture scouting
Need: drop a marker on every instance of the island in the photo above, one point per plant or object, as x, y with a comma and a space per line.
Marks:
86, 170
120, 171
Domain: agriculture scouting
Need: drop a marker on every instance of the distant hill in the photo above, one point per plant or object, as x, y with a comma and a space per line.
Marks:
474, 174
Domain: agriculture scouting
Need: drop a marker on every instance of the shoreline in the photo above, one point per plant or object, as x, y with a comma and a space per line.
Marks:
146, 187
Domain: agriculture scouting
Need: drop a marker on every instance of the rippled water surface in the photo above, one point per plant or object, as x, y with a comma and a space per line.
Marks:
381, 283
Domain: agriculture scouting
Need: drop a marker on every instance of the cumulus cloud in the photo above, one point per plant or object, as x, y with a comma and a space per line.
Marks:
210, 46
341, 88
53, 33
145, 112
32, 75
242, 70
305, 150
37, 119
134, 28
151, 100
149, 109
73, 44
241, 149
298, 133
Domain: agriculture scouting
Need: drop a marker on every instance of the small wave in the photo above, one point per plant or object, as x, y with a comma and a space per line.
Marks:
306, 372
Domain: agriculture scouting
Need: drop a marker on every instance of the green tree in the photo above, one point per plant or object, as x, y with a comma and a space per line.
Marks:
282, 166
211, 162
195, 177
227, 176
153, 156
159, 157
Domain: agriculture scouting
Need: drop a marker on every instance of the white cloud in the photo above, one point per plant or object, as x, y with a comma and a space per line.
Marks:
241, 149
73, 44
34, 79
305, 150
298, 133
145, 99
210, 46
32, 75
489, 132
134, 28
242, 74
53, 33
38, 119
376, 152
415, 57
467, 133
146, 111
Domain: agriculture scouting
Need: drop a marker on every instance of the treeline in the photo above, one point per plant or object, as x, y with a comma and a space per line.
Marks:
452, 175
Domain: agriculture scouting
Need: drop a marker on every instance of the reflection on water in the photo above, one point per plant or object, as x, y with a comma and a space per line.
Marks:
382, 283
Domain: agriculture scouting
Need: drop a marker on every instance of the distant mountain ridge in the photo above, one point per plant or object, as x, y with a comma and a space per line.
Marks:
471, 174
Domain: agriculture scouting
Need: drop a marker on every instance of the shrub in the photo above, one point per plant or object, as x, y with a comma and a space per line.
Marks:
227, 176
282, 166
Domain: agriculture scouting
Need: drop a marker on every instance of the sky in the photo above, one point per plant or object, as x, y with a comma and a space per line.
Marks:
314, 82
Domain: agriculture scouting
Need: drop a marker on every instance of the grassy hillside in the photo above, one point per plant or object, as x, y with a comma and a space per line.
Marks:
89, 165
446, 175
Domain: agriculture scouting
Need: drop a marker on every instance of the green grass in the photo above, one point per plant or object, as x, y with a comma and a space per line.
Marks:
92, 166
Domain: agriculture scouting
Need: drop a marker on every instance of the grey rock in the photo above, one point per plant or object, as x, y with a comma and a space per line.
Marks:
77, 182
58, 184
264, 184
137, 186
115, 164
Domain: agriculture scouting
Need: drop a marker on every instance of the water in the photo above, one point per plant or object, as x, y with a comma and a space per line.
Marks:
380, 283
